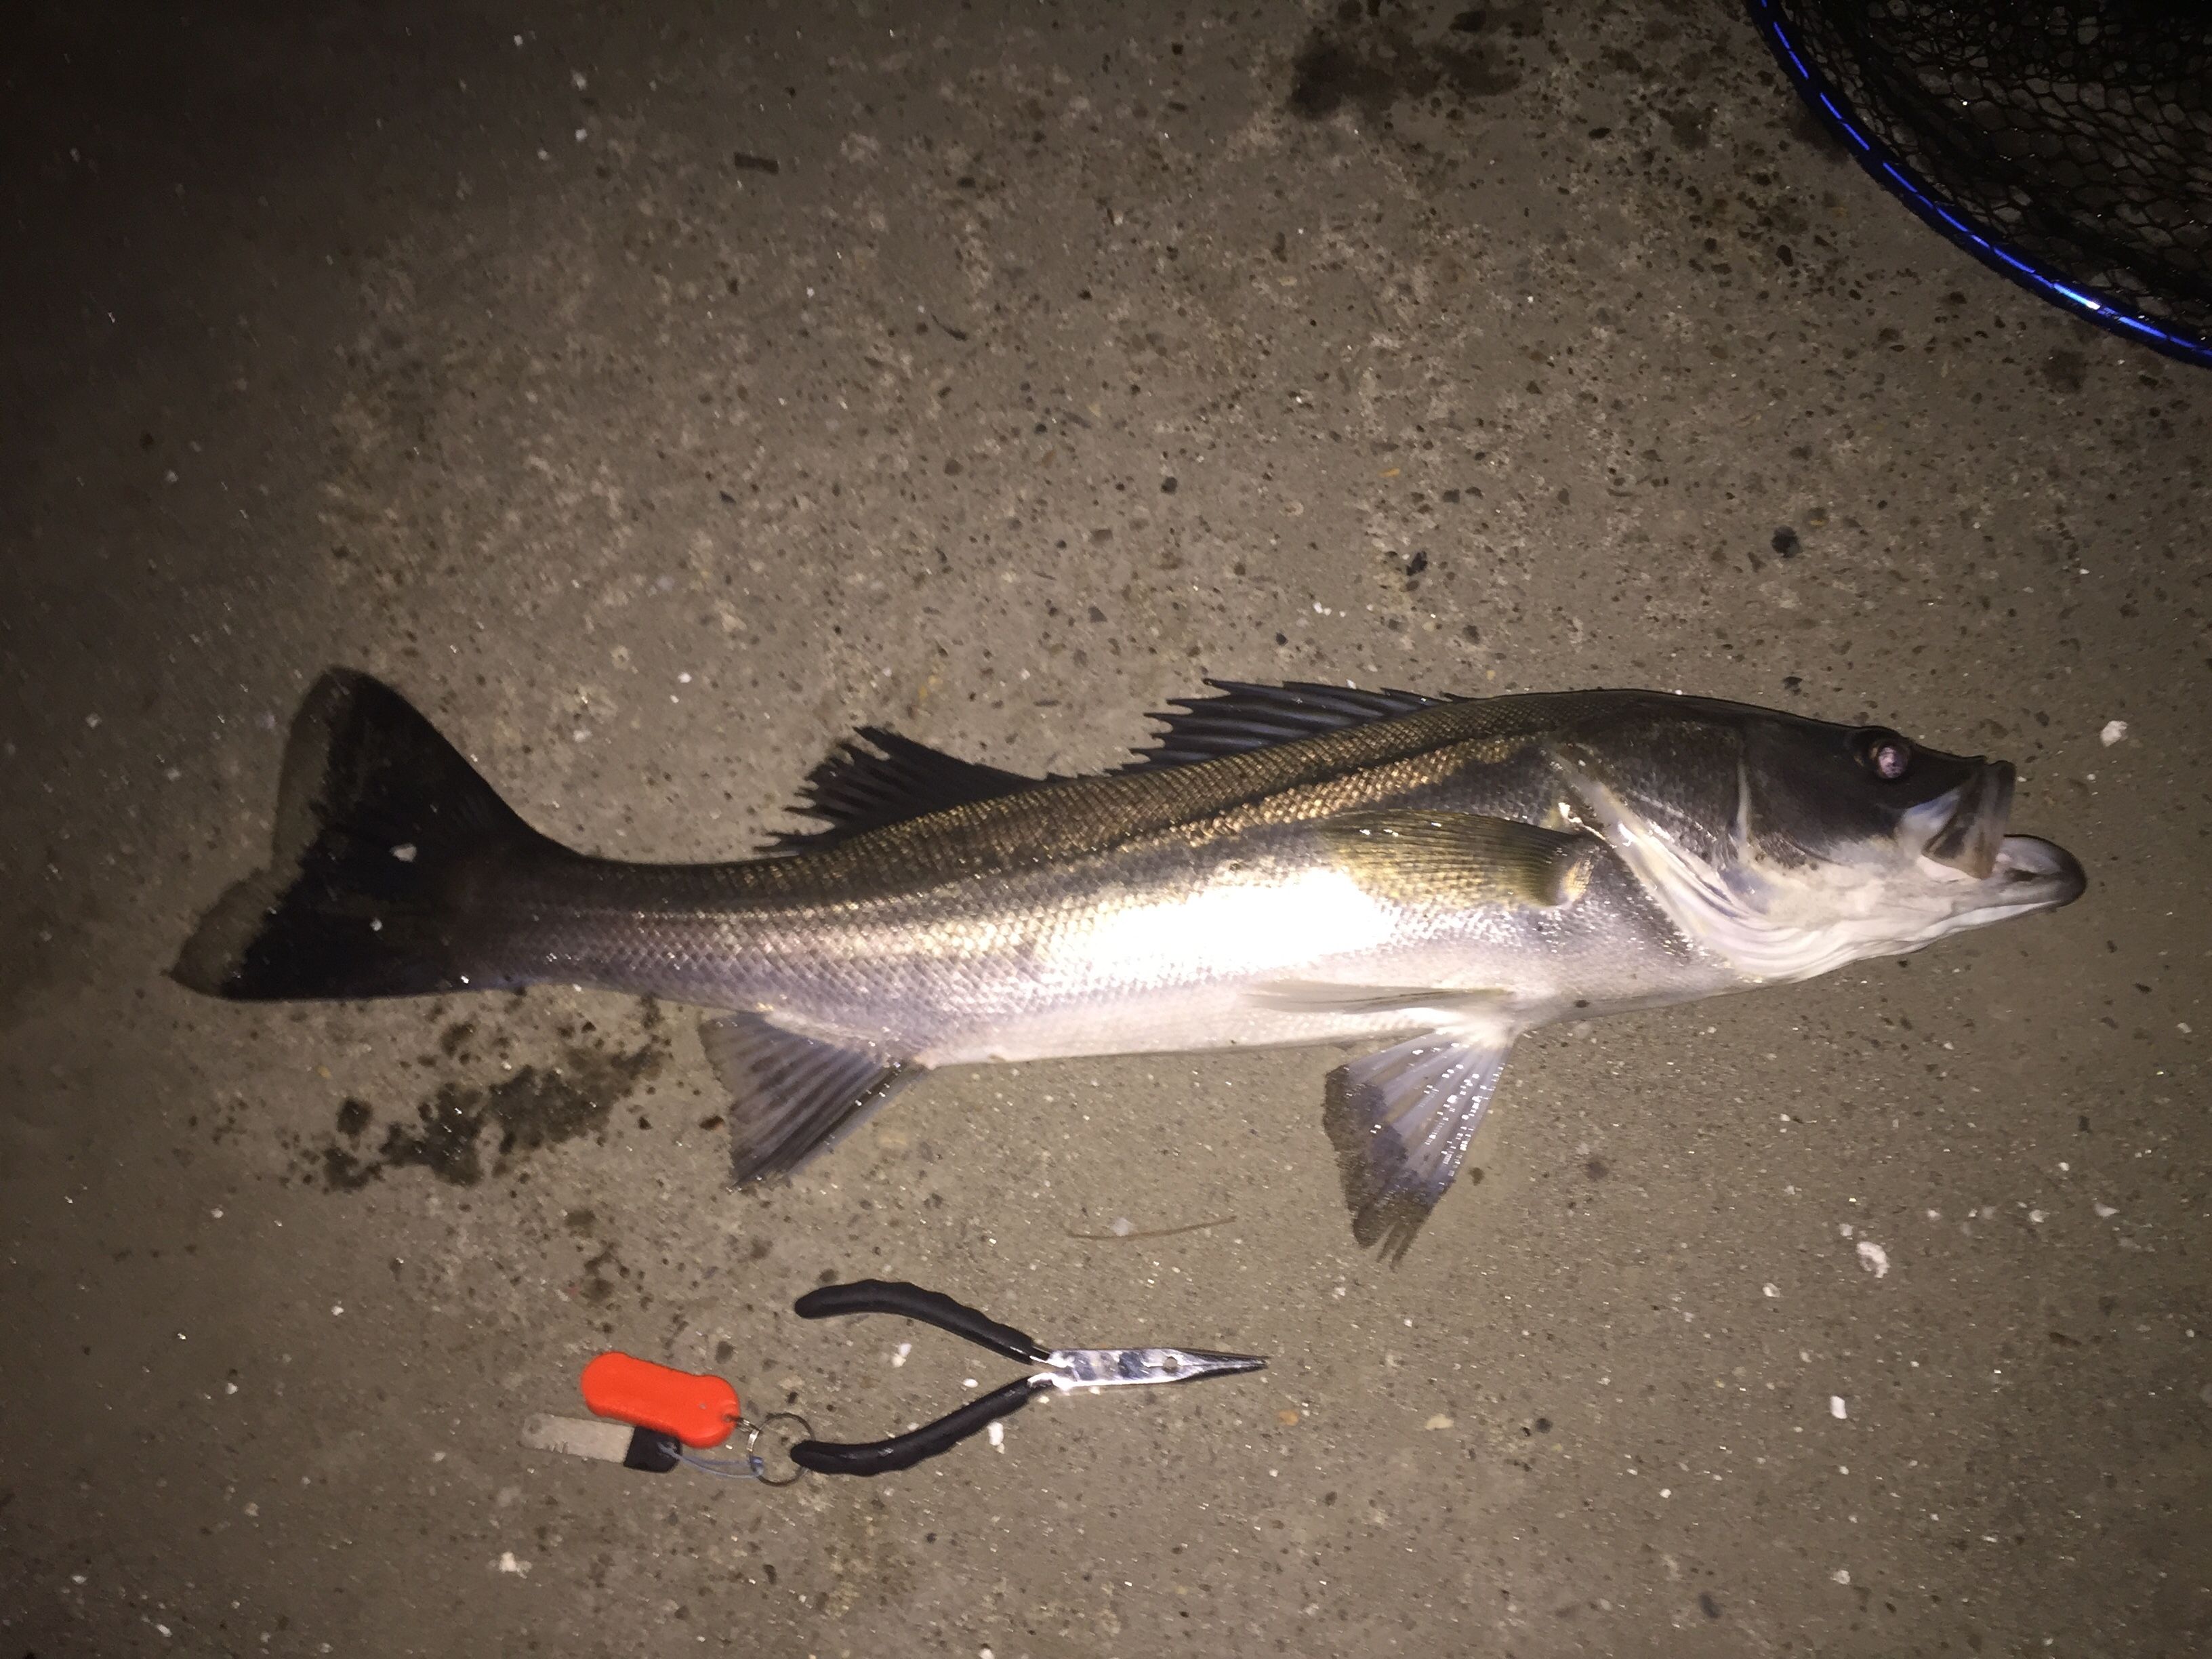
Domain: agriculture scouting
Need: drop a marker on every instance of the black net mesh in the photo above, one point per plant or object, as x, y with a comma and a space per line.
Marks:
2068, 145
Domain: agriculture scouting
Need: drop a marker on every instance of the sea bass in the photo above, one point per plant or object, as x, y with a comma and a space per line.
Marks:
1288, 865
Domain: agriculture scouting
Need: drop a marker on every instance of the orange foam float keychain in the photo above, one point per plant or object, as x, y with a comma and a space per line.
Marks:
697, 1409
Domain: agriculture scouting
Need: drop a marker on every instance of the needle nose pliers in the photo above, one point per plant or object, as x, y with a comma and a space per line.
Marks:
1064, 1370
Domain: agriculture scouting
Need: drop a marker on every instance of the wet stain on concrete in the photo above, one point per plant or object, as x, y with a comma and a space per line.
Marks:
1371, 64
466, 1130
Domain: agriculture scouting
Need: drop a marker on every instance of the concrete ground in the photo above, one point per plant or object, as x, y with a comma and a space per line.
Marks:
656, 392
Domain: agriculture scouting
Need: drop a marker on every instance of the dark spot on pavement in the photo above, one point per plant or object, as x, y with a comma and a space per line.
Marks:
1690, 127
342, 1172
1785, 543
597, 1287
2065, 371
1373, 64
1707, 1605
536, 1107
1597, 1169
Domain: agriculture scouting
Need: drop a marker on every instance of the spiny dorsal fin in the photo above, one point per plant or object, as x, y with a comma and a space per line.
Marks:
877, 777
1246, 716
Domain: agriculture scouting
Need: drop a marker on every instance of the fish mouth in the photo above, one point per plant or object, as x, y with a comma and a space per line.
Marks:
1974, 834
2037, 873
2015, 873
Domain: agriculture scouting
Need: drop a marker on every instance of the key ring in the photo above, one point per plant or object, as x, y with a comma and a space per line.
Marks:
758, 1429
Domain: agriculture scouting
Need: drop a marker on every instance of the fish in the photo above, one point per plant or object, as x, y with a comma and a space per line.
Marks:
1284, 866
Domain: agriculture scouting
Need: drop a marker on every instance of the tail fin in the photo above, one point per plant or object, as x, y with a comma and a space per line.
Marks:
383, 830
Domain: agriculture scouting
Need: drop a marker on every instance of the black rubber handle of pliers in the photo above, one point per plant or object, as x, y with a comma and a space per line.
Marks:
904, 1451
930, 1307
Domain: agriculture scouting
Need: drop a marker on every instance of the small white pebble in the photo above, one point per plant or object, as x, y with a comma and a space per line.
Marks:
404, 852
164, 1629
1439, 1421
252, 1509
2105, 1212
2113, 732
580, 733
998, 1436
1771, 1289
508, 1564
1122, 1227
684, 678
898, 1357
575, 76
1837, 1409
217, 1214
336, 1308
1873, 1258
1841, 1575
985, 1653
967, 1382
230, 1388
92, 721
2036, 1215
172, 772
1338, 1292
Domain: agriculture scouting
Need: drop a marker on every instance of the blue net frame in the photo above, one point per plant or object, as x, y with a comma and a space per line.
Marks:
2067, 144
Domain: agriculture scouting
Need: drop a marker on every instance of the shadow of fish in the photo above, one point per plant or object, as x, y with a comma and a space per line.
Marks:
1289, 864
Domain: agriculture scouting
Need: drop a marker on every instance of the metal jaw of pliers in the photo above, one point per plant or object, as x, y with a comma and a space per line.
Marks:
1064, 1370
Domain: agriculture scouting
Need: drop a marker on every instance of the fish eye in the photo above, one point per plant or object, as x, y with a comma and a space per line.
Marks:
1885, 754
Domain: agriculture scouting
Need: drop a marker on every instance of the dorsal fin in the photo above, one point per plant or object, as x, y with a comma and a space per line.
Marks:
1245, 717
877, 777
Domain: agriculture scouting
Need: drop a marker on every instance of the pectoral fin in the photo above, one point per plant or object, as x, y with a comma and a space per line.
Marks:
1401, 1120
1461, 858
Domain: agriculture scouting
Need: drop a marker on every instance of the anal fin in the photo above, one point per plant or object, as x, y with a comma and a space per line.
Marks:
792, 1096
1401, 1120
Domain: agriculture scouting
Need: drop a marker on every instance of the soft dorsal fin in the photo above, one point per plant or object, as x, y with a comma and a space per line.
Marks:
877, 777
1245, 717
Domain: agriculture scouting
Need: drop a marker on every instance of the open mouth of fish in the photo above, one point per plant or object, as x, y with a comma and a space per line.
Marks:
1971, 840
